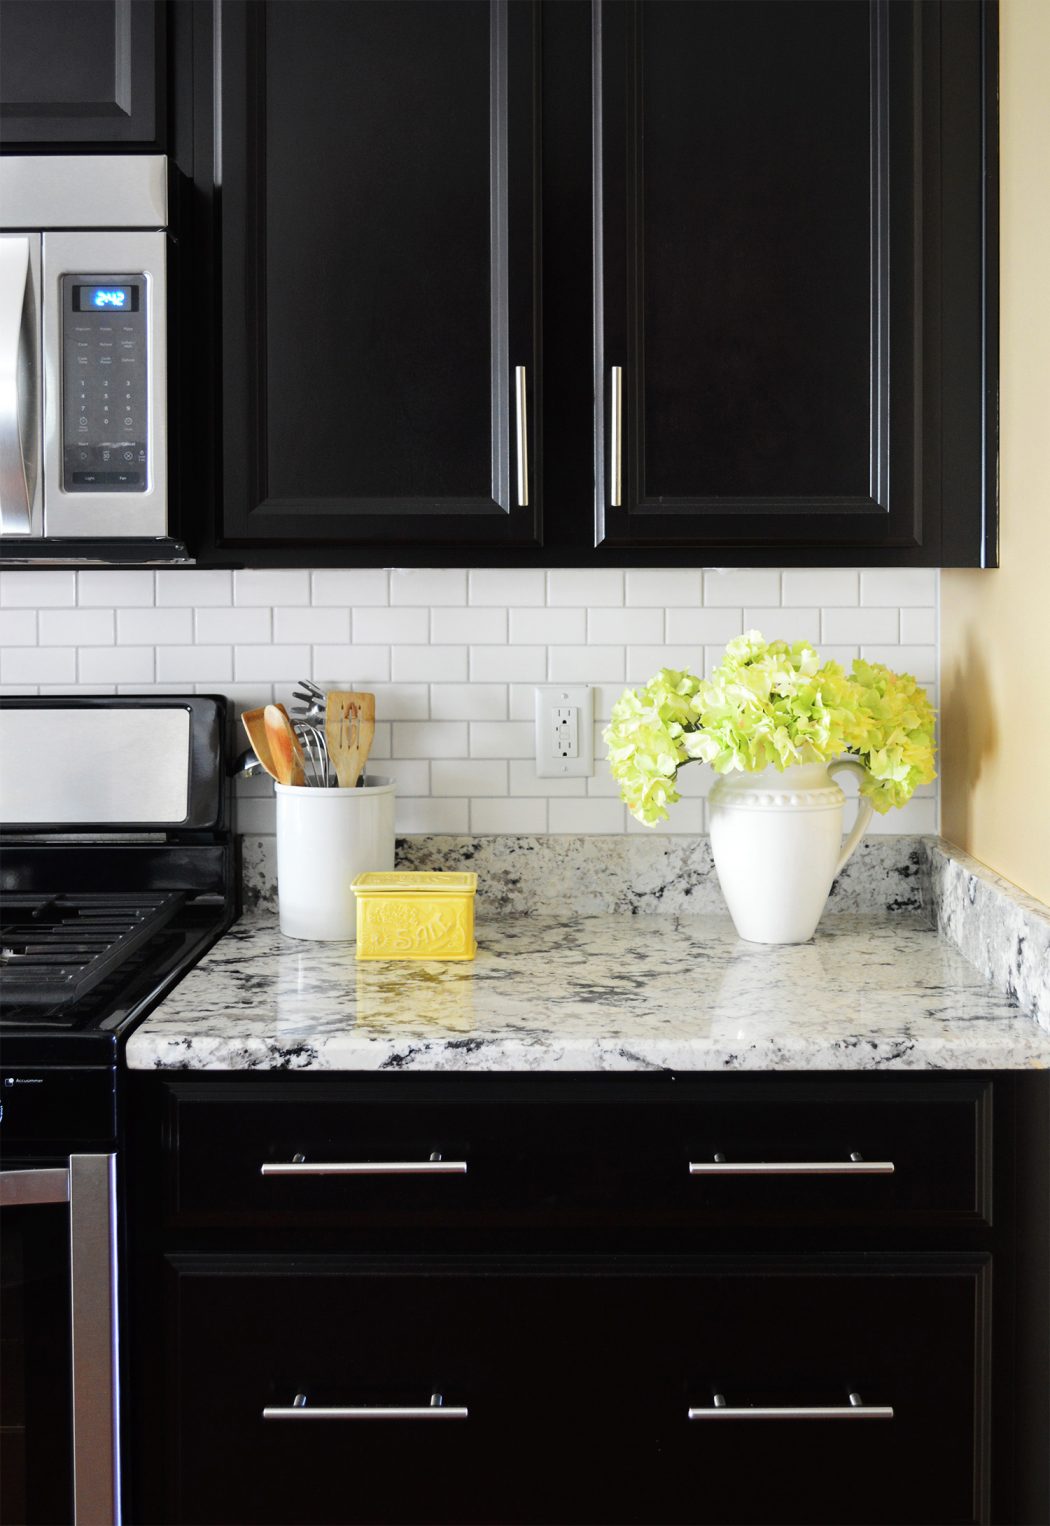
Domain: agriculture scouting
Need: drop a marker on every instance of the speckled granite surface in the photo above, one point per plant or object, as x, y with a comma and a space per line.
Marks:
553, 875
612, 992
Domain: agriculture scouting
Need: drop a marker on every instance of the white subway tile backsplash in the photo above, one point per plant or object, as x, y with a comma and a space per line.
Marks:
552, 627
472, 777
585, 817
378, 625
508, 664
782, 624
507, 586
865, 624
492, 817
820, 585
703, 625
312, 625
899, 585
190, 588
18, 627
202, 664
585, 664
115, 590
502, 739
430, 739
350, 587
754, 586
429, 664
38, 665
422, 817
918, 626
159, 627
453, 658
623, 625
473, 626
587, 586
349, 667
268, 663
77, 627
468, 702
428, 586
663, 587
133, 665
266, 585
37, 590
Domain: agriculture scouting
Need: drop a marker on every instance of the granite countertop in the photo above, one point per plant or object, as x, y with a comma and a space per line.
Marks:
581, 993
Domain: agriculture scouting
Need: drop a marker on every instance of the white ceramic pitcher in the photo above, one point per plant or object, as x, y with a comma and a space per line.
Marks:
776, 837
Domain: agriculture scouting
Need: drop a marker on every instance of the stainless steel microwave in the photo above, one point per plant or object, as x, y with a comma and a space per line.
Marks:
83, 349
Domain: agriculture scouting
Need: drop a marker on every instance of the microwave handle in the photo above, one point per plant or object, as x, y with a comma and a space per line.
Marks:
19, 383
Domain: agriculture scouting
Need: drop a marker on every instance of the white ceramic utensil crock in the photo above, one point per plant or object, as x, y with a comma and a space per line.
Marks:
776, 837
325, 839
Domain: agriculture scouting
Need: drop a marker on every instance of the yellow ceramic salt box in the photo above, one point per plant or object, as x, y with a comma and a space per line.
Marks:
415, 914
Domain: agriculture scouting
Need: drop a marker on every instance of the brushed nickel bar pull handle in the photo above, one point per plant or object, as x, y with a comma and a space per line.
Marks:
300, 1166
437, 1409
856, 1409
855, 1166
17, 413
616, 435
522, 414
47, 1184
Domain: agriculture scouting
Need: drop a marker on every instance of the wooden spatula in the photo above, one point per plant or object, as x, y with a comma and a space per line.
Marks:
350, 728
255, 725
285, 751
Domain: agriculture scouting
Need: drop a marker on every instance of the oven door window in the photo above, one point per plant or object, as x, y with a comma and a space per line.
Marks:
36, 1487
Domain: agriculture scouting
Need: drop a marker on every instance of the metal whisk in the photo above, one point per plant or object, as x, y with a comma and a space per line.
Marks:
315, 753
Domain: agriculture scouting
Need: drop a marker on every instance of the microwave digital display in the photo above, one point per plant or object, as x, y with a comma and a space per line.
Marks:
105, 299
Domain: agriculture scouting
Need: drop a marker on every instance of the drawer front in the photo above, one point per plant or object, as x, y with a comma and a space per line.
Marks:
696, 1155
569, 1393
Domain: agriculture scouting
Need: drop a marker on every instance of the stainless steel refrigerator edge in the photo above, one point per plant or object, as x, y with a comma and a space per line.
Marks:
82, 240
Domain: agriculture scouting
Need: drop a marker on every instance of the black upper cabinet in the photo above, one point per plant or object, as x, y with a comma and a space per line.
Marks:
80, 74
791, 299
766, 231
377, 273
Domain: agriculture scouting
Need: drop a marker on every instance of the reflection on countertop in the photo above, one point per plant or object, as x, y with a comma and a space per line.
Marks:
613, 992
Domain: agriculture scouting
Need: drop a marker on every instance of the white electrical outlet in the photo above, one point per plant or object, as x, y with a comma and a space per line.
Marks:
564, 731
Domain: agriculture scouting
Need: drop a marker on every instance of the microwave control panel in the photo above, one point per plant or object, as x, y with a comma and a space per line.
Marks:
105, 367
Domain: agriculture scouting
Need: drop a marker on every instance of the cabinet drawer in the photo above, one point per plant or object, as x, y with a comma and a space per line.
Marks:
568, 1393
689, 1155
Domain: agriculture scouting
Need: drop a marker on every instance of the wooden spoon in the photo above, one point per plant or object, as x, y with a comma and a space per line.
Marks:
255, 725
285, 751
350, 728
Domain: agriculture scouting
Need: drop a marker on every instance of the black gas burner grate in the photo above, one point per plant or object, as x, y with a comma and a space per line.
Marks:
55, 949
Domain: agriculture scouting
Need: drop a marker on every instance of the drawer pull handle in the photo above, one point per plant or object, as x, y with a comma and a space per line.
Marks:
856, 1409
437, 1409
300, 1166
855, 1166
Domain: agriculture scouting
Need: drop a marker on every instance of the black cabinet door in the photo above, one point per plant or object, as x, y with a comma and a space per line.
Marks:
575, 1385
793, 294
376, 272
80, 73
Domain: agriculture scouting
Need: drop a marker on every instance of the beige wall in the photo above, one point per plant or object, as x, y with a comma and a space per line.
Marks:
995, 626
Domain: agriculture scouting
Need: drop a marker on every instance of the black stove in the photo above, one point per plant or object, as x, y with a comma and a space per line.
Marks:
118, 872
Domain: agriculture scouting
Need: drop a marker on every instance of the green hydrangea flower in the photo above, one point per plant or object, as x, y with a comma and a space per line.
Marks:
770, 703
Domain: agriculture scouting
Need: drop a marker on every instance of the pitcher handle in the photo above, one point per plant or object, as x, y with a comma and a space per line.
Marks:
864, 810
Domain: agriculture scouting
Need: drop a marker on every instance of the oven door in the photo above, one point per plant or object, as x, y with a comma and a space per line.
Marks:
58, 1318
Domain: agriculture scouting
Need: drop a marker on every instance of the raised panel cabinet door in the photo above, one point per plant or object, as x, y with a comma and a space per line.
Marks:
79, 72
380, 365
793, 293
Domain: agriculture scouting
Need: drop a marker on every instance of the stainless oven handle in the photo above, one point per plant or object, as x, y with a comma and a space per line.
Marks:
18, 1189
93, 1268
90, 1188
19, 412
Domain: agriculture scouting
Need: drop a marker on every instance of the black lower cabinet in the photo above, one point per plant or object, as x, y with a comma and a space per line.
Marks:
540, 1337
568, 1391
